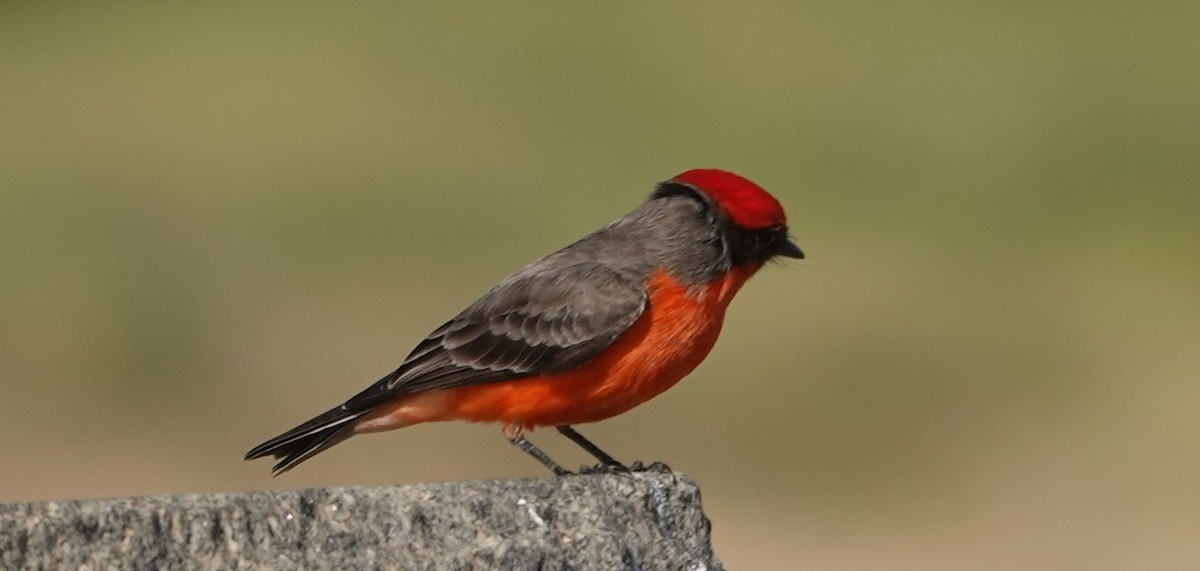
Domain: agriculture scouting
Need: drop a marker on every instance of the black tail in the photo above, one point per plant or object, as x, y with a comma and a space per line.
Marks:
308, 439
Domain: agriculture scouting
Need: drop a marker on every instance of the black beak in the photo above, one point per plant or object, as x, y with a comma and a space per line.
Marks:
791, 250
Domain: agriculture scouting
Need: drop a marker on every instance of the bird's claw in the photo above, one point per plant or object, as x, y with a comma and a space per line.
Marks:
658, 467
603, 468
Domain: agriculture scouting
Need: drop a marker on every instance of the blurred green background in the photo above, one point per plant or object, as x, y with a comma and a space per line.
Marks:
217, 220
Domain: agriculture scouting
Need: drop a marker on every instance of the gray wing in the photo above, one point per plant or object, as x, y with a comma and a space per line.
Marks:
533, 323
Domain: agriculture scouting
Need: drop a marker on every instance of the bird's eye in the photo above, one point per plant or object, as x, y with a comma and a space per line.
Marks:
776, 236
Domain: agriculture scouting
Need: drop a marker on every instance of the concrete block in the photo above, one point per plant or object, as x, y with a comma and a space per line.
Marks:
638, 521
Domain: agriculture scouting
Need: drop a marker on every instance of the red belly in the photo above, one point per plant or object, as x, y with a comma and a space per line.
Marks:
676, 332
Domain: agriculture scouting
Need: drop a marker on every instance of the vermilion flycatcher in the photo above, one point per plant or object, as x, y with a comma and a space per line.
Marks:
581, 335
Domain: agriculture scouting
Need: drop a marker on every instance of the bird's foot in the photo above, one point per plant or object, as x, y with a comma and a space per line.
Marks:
658, 467
604, 468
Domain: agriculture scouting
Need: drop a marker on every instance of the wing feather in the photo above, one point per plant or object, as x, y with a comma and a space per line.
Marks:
539, 321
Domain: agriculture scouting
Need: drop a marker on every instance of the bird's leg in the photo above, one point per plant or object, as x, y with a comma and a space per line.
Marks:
592, 449
516, 435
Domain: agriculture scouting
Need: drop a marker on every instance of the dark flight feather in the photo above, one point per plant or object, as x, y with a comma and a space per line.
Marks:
540, 321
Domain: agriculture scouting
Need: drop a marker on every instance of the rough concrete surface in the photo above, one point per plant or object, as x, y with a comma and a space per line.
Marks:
638, 521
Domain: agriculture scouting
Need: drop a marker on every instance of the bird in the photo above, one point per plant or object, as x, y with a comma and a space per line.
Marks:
580, 335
